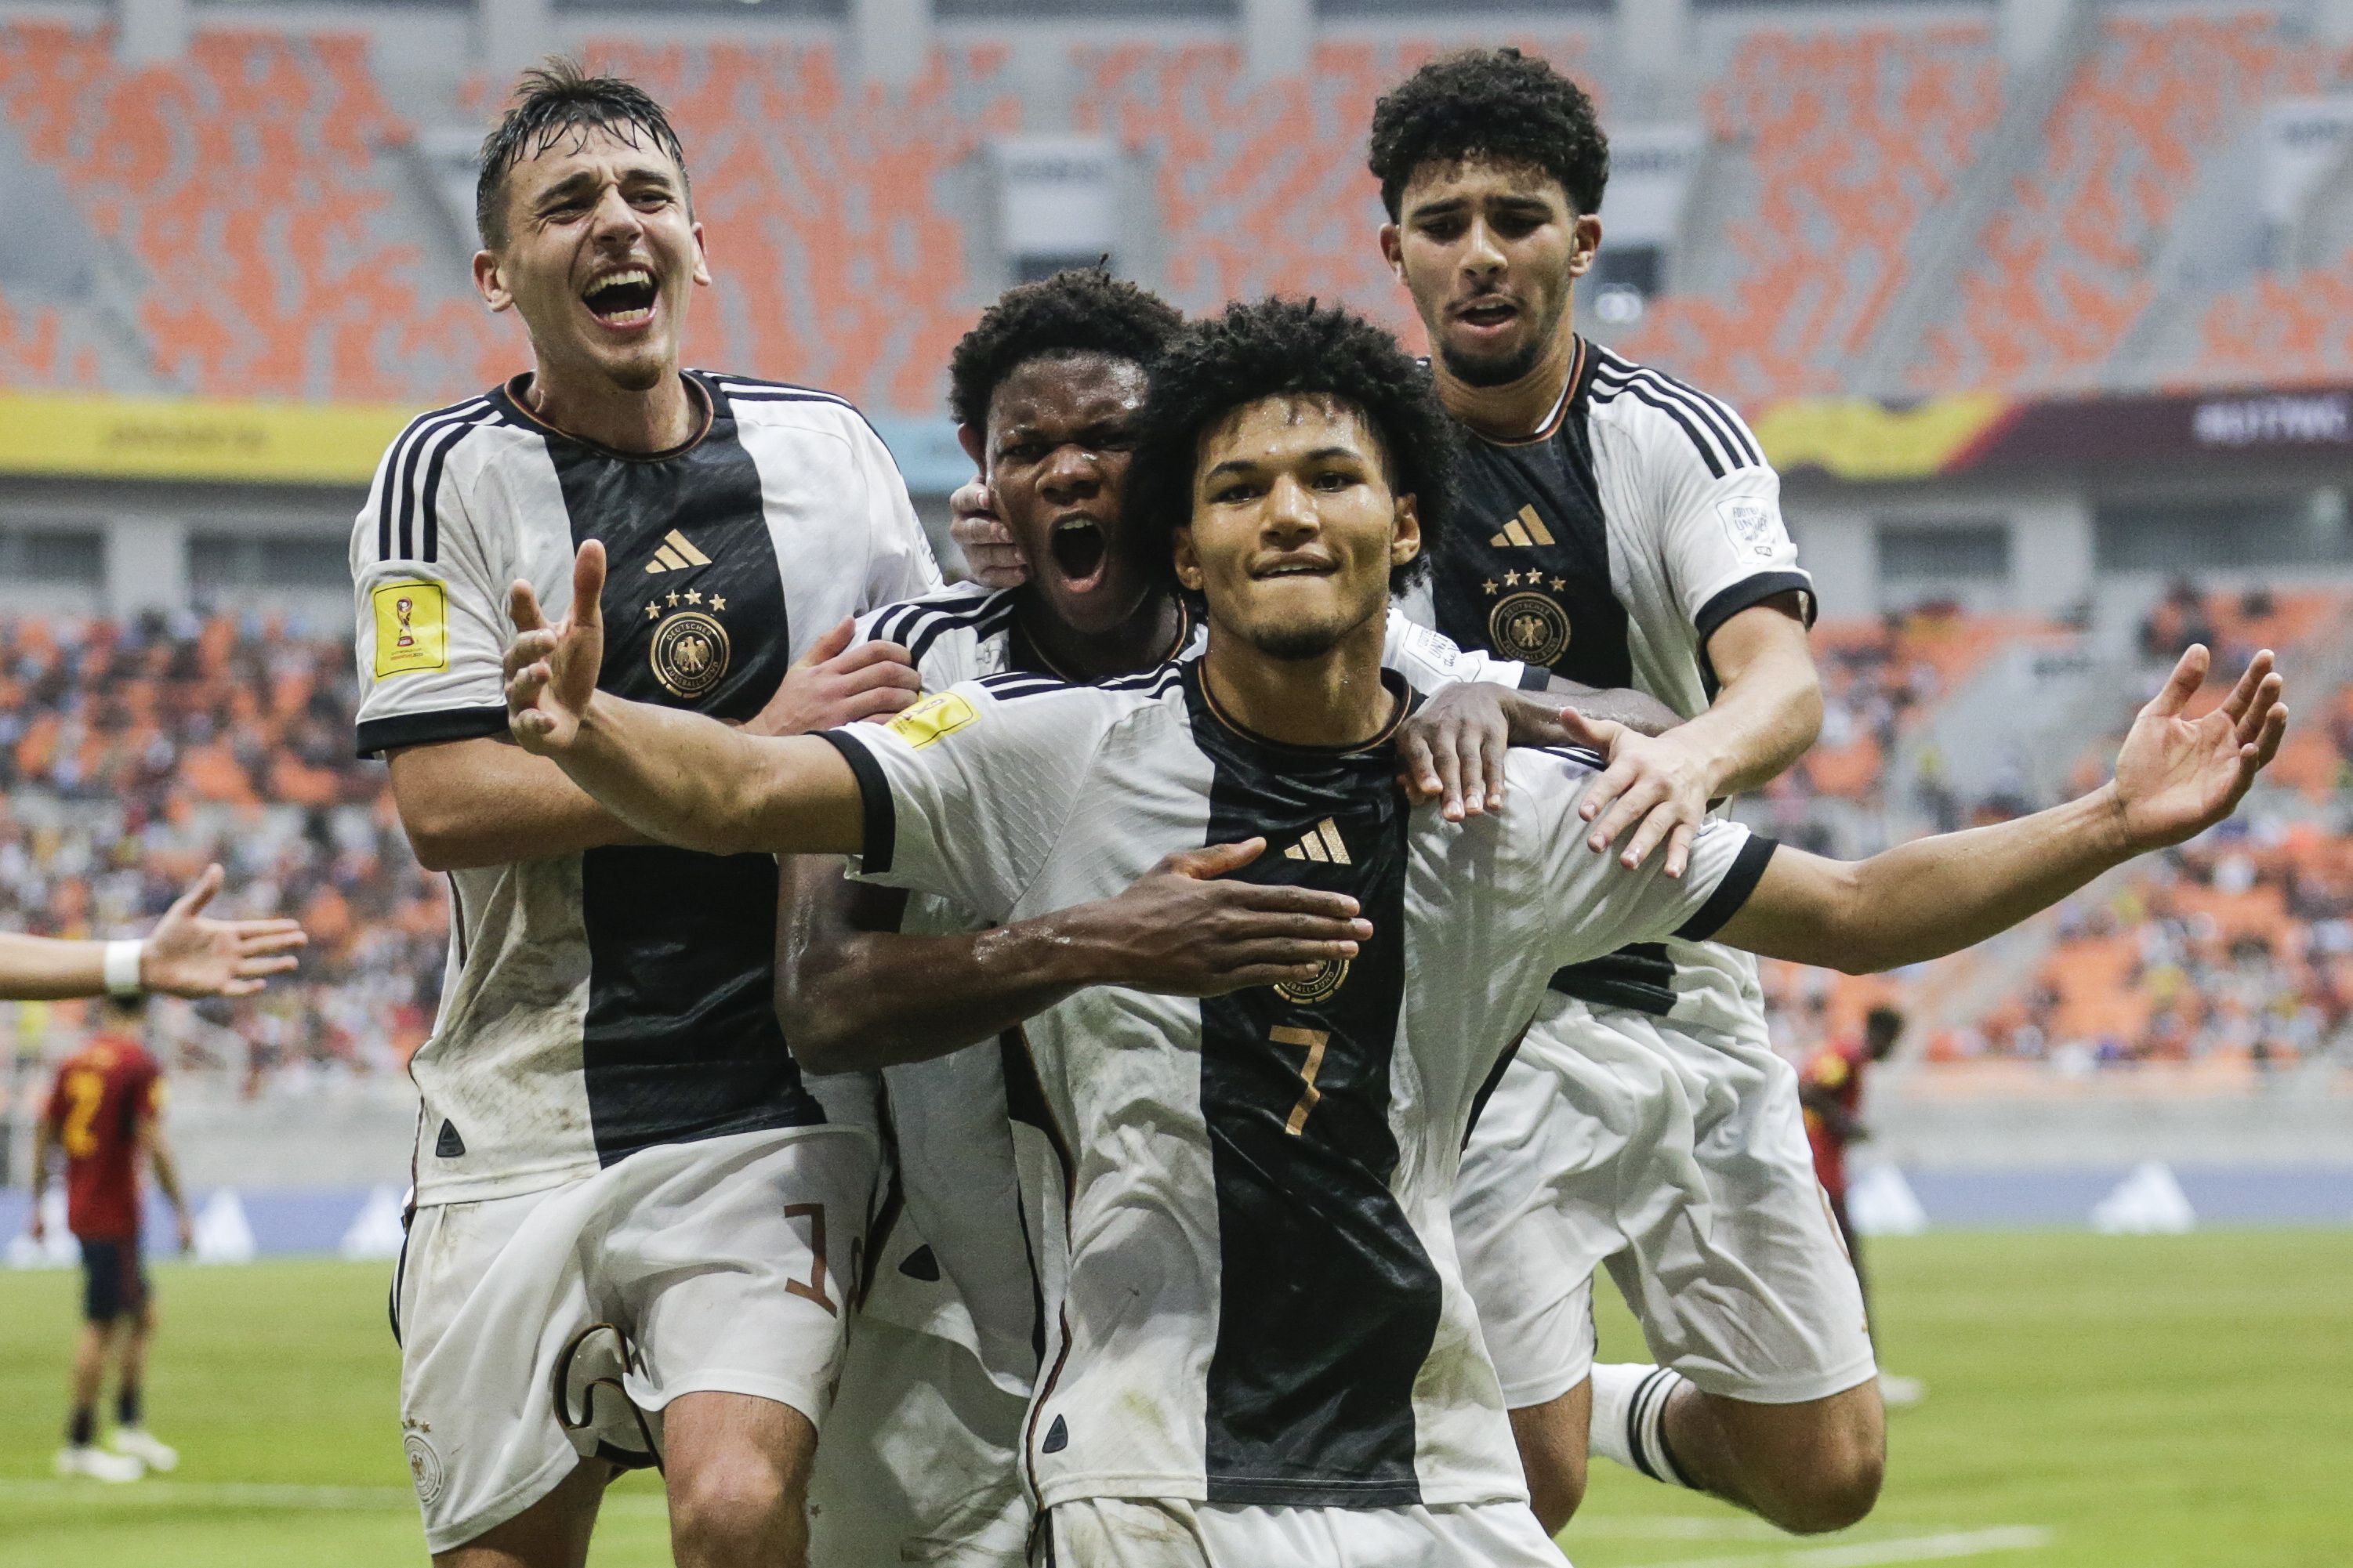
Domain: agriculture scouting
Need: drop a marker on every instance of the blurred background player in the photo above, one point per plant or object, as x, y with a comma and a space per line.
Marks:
1831, 1087
105, 1111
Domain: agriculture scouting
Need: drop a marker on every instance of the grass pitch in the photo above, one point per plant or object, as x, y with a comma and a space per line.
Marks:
2093, 1403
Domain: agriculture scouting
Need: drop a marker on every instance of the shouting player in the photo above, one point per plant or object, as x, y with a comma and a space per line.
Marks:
1264, 1352
1047, 390
623, 1186
104, 1113
1620, 528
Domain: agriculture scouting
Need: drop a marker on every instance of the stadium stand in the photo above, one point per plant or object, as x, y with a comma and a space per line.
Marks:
836, 260
245, 186
1838, 142
129, 756
2065, 273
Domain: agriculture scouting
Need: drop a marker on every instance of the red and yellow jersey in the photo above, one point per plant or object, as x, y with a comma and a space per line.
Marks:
101, 1092
1836, 1072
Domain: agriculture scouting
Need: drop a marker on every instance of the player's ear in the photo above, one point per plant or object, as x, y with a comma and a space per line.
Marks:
975, 447
1405, 536
702, 257
1189, 565
1585, 238
1393, 250
488, 281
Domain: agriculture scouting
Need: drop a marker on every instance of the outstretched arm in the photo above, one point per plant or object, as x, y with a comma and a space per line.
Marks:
676, 777
187, 955
852, 992
2175, 778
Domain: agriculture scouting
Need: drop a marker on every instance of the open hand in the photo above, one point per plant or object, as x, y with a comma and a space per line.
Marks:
834, 684
189, 955
1180, 930
551, 670
1452, 750
1654, 782
2176, 778
989, 553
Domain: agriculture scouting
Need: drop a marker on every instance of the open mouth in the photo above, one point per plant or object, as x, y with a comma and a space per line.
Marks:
1487, 314
1079, 550
623, 298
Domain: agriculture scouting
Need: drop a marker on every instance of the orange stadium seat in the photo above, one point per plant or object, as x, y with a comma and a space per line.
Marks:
1262, 186
2065, 273
1850, 137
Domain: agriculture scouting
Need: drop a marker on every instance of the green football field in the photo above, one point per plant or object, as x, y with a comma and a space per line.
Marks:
2095, 1403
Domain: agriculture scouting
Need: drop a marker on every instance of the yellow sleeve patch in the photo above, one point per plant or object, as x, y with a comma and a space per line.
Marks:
411, 628
934, 717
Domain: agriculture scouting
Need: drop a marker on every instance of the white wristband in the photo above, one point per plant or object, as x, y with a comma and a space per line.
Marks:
122, 968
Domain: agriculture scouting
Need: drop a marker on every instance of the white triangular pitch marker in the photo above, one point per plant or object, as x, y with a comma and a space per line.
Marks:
2149, 1202
1880, 1201
374, 1233
55, 1250
222, 1233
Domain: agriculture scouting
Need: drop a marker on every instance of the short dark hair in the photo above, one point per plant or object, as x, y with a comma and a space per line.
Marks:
1279, 348
556, 97
1490, 103
1882, 1023
1079, 309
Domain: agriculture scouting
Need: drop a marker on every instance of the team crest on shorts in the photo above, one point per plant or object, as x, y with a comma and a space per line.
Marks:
424, 1464
690, 653
1530, 628
1317, 986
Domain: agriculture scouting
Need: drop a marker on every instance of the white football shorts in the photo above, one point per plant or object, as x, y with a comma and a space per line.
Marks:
1146, 1532
726, 1263
921, 1461
1678, 1158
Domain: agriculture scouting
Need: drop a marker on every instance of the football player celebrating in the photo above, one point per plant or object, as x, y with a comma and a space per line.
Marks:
624, 1188
1048, 389
1264, 1352
1621, 528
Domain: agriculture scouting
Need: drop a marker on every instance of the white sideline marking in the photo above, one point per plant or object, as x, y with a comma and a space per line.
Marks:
1870, 1554
257, 1494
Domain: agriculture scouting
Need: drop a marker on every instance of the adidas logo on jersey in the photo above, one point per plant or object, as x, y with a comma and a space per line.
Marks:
1321, 844
1524, 529
676, 555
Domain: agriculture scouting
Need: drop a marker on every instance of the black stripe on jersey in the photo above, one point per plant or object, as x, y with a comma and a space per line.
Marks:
377, 736
427, 503
1747, 868
680, 1039
1706, 448
753, 389
1640, 978
1487, 1090
1328, 1304
400, 467
1719, 419
984, 627
1747, 592
881, 829
918, 625
1012, 683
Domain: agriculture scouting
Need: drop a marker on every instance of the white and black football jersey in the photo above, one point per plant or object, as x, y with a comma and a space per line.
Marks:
972, 1145
600, 1002
1609, 547
1263, 1303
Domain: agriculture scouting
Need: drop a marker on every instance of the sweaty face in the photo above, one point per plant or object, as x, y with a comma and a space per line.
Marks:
1062, 431
1490, 253
1295, 526
600, 254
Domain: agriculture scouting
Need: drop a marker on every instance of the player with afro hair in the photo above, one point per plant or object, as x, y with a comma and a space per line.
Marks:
1080, 310
1286, 348
1496, 104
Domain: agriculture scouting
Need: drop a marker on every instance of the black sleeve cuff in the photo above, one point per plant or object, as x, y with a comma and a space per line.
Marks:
881, 816
377, 736
1534, 678
1748, 866
1752, 591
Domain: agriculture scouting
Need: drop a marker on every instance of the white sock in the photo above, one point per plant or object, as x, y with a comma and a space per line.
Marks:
1629, 1408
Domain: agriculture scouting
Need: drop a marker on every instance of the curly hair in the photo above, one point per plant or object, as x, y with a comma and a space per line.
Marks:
1279, 348
553, 99
1492, 103
1079, 309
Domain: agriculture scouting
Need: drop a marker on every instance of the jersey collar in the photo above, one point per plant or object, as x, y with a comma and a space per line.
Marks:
510, 398
1406, 701
1580, 365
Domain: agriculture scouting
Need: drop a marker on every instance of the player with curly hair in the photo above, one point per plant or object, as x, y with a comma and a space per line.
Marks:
1624, 528
1265, 1351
